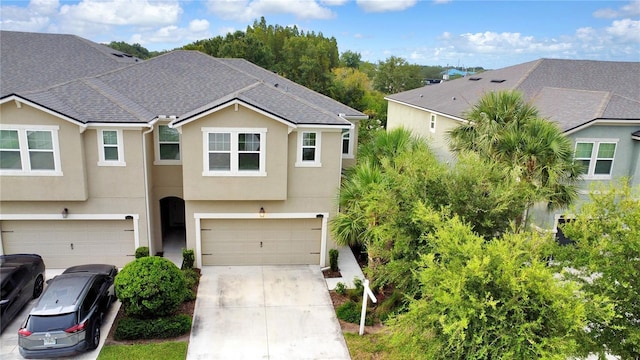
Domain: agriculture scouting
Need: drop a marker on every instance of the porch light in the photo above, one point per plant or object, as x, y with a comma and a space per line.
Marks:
261, 212
65, 213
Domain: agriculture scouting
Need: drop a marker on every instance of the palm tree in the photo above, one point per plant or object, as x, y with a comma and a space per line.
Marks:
506, 130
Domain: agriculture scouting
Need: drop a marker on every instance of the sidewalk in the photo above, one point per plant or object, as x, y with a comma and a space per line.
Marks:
349, 269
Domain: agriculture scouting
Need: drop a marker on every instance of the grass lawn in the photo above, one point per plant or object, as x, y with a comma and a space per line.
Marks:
370, 346
157, 351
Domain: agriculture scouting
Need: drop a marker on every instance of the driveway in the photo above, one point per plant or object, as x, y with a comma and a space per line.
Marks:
265, 312
9, 337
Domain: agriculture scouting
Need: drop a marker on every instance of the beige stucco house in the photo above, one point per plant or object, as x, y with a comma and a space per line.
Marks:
101, 153
595, 103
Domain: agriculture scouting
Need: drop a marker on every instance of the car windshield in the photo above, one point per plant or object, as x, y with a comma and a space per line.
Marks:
39, 323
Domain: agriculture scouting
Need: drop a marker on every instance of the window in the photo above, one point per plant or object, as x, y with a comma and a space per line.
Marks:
168, 145
432, 123
596, 157
236, 152
110, 148
308, 149
347, 142
29, 150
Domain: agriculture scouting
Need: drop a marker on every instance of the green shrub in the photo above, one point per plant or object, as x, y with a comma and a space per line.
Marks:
333, 259
341, 288
192, 277
142, 251
166, 327
188, 258
389, 305
350, 312
150, 287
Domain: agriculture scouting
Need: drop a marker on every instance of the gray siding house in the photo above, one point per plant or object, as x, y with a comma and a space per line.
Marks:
595, 103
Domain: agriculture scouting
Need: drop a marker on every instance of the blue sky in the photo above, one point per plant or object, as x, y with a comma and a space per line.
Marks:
491, 34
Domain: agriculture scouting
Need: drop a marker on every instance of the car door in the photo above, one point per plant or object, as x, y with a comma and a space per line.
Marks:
13, 294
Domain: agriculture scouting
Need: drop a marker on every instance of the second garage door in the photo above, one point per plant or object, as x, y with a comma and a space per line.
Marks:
261, 241
71, 242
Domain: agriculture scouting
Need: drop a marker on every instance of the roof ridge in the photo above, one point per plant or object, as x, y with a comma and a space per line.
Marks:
115, 97
526, 74
277, 88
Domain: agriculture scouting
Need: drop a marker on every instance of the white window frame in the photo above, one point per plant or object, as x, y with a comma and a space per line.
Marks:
234, 171
25, 160
158, 160
317, 162
590, 174
432, 123
120, 147
351, 132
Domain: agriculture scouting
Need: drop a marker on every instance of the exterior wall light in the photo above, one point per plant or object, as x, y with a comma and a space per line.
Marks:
261, 212
65, 213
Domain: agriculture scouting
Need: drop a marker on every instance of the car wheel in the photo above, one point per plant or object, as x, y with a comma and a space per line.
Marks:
38, 285
95, 336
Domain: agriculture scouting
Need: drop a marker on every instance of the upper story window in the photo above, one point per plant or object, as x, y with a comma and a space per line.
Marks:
26, 150
110, 148
308, 149
432, 123
347, 142
596, 156
234, 152
167, 145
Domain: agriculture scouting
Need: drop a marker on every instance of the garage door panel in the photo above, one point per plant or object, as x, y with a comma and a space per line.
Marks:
70, 242
260, 241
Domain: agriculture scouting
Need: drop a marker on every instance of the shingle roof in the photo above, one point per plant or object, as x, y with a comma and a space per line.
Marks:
30, 61
183, 84
568, 92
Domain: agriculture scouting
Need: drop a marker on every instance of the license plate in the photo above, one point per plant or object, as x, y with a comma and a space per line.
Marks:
49, 341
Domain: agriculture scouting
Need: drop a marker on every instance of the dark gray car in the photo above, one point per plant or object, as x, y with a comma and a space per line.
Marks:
22, 279
67, 318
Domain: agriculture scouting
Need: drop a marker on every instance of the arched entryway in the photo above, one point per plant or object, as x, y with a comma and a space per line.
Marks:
172, 215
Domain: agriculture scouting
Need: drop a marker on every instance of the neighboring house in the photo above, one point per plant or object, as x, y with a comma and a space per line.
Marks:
101, 153
595, 103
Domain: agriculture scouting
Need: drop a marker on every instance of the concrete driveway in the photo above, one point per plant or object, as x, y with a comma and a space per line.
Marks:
265, 312
9, 337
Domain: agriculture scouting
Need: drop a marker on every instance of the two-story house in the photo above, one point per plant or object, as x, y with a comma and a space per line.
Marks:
101, 153
595, 103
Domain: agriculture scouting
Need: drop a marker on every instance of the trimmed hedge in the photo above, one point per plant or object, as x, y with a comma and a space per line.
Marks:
132, 329
188, 258
333, 259
150, 287
142, 251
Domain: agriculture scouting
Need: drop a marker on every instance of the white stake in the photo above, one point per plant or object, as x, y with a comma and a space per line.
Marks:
366, 294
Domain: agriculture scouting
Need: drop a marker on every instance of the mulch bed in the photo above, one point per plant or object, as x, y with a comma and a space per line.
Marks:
348, 327
331, 274
186, 308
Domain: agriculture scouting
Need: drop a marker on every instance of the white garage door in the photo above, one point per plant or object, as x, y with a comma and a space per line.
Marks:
261, 241
71, 242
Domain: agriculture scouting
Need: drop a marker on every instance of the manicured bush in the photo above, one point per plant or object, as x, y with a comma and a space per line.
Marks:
142, 251
350, 312
150, 287
167, 327
341, 288
333, 259
188, 258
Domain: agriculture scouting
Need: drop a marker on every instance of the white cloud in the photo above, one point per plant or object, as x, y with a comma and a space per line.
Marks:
124, 12
334, 2
630, 9
625, 30
172, 36
246, 10
36, 16
385, 5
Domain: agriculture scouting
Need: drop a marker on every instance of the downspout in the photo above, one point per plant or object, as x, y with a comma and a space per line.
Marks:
146, 186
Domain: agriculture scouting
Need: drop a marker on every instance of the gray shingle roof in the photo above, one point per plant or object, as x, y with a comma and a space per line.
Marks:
30, 61
179, 83
568, 92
